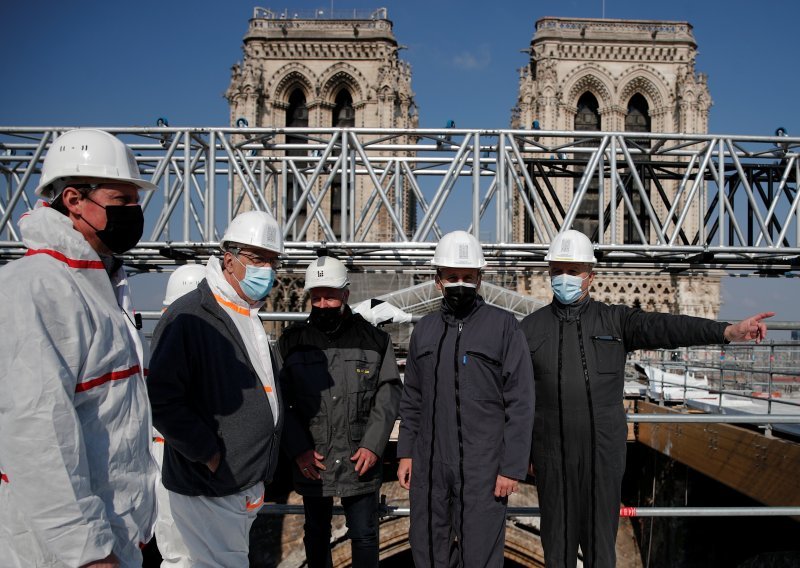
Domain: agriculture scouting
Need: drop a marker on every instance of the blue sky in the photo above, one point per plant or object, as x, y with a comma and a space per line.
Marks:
112, 63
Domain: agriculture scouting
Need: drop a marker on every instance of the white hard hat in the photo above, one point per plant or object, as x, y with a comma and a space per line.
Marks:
87, 153
256, 229
326, 272
571, 246
458, 249
183, 280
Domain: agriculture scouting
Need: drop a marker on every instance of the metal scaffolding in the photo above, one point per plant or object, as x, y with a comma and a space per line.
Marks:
732, 202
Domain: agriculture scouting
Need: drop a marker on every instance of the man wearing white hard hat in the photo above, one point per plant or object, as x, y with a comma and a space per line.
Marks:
78, 482
183, 280
466, 416
342, 387
173, 551
579, 348
212, 386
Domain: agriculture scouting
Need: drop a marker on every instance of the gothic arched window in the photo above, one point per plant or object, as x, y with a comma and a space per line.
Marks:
296, 117
638, 120
588, 115
638, 117
587, 118
297, 113
344, 115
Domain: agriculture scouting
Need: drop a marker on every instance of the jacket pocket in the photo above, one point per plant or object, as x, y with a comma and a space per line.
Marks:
609, 353
480, 376
362, 382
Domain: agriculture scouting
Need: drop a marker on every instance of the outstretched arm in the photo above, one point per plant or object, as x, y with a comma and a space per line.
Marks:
749, 329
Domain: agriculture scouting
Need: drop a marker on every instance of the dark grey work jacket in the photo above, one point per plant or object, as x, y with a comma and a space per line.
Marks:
342, 391
206, 397
468, 393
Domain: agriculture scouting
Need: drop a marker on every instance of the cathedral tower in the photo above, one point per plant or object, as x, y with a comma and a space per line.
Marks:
618, 75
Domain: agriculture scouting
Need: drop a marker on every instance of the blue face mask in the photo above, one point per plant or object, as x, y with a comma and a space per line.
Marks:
257, 281
566, 288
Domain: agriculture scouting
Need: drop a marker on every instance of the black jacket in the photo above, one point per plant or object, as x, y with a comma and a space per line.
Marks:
207, 397
580, 430
342, 391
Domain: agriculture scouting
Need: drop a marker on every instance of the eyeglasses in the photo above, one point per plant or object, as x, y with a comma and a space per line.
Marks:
257, 260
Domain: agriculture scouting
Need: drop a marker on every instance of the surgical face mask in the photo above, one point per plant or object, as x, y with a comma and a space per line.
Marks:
257, 281
459, 296
327, 319
567, 288
124, 226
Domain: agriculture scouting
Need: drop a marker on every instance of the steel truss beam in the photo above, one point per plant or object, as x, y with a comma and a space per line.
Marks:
733, 201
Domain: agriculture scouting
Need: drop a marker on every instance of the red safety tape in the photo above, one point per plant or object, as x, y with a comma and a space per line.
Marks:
627, 512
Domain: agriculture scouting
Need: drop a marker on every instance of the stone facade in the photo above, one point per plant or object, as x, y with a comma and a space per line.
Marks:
618, 75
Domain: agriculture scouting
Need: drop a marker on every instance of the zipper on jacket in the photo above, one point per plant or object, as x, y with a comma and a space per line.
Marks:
460, 438
593, 526
433, 440
486, 358
608, 338
564, 484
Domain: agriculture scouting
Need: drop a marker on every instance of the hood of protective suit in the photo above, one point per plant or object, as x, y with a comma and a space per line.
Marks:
46, 228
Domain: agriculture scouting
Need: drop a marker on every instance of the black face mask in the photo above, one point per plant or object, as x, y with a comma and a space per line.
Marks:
326, 319
124, 226
460, 298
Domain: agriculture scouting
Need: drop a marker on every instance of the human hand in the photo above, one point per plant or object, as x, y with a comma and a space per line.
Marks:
505, 486
404, 473
364, 459
749, 329
310, 464
110, 561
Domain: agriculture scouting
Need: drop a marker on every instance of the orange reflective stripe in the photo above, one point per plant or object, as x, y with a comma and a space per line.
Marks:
232, 306
108, 377
71, 262
268, 389
158, 439
255, 504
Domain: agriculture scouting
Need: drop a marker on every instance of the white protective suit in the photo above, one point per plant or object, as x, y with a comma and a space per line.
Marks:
74, 415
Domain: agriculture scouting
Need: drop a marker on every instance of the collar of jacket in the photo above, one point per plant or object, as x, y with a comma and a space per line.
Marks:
449, 316
570, 312
209, 303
